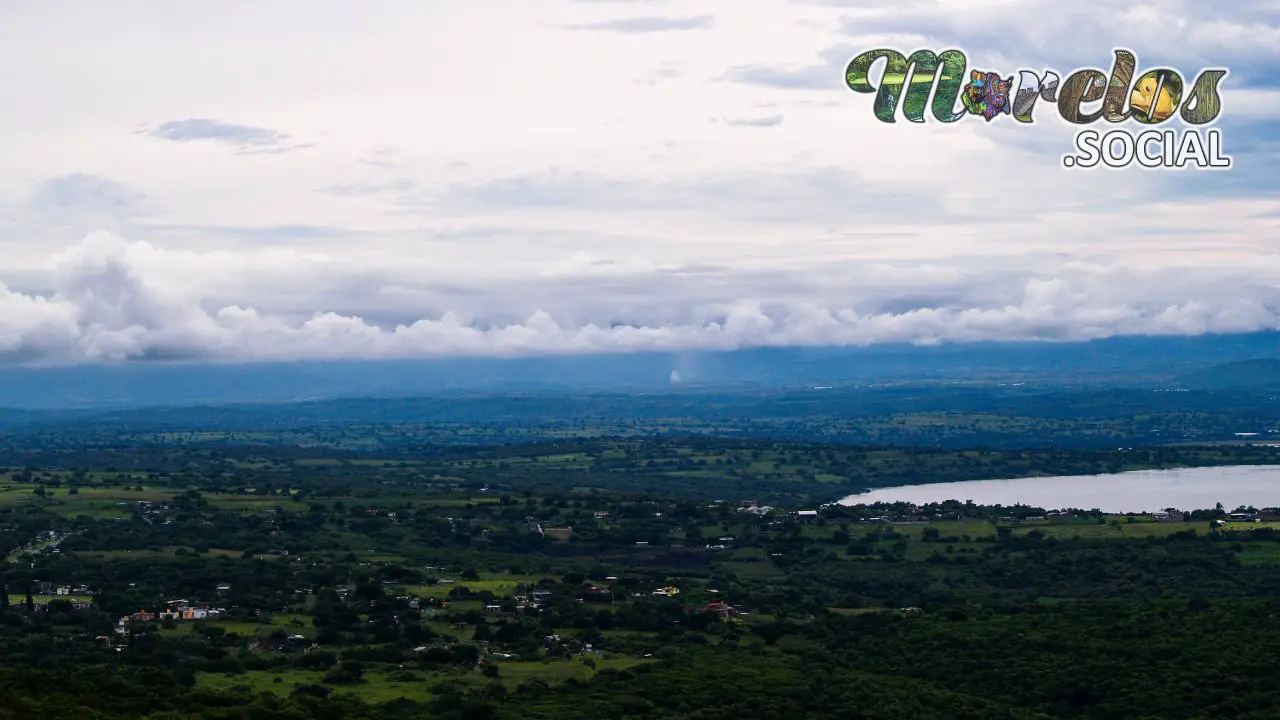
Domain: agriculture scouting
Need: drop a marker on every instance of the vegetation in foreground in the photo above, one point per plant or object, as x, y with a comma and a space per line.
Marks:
273, 582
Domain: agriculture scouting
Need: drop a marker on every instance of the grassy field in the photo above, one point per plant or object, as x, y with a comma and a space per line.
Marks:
499, 585
1125, 528
74, 501
107, 502
751, 563
46, 599
291, 624
254, 503
379, 684
384, 683
553, 672
1256, 554
281, 681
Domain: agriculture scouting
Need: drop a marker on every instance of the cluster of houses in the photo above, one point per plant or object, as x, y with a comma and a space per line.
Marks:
45, 541
723, 610
151, 511
78, 596
750, 507
533, 602
723, 543
1270, 514
1263, 515
177, 610
48, 588
555, 533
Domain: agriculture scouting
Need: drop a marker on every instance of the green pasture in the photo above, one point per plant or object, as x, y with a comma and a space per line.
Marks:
282, 680
96, 501
159, 553
1122, 527
499, 585
554, 672
385, 683
46, 599
379, 684
255, 503
1260, 554
291, 624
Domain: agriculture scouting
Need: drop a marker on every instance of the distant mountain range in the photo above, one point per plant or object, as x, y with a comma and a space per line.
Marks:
1208, 361
1258, 374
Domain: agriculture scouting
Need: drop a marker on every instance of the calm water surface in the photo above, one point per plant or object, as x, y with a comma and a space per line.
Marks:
1140, 491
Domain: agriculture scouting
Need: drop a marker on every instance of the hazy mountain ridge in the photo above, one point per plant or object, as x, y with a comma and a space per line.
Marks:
1260, 373
1128, 361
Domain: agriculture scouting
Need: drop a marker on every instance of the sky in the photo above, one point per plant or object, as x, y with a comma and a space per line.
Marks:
290, 179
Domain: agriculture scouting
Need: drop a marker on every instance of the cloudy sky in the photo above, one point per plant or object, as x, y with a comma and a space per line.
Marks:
288, 178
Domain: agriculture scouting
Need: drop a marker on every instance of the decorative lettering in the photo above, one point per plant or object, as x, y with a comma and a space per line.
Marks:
1113, 107
1083, 86
924, 69
1156, 96
1032, 88
1204, 103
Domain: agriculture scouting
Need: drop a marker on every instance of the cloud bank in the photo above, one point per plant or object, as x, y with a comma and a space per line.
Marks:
114, 300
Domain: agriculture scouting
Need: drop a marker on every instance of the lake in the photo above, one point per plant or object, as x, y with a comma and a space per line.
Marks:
1139, 491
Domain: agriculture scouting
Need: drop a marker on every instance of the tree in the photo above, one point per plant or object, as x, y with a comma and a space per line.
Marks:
604, 619
769, 632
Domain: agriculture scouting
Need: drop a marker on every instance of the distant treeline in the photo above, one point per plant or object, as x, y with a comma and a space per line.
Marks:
924, 415
707, 468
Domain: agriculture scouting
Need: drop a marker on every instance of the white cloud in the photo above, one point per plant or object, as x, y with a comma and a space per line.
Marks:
479, 178
114, 300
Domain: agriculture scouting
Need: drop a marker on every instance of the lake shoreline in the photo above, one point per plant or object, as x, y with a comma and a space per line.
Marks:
1190, 488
